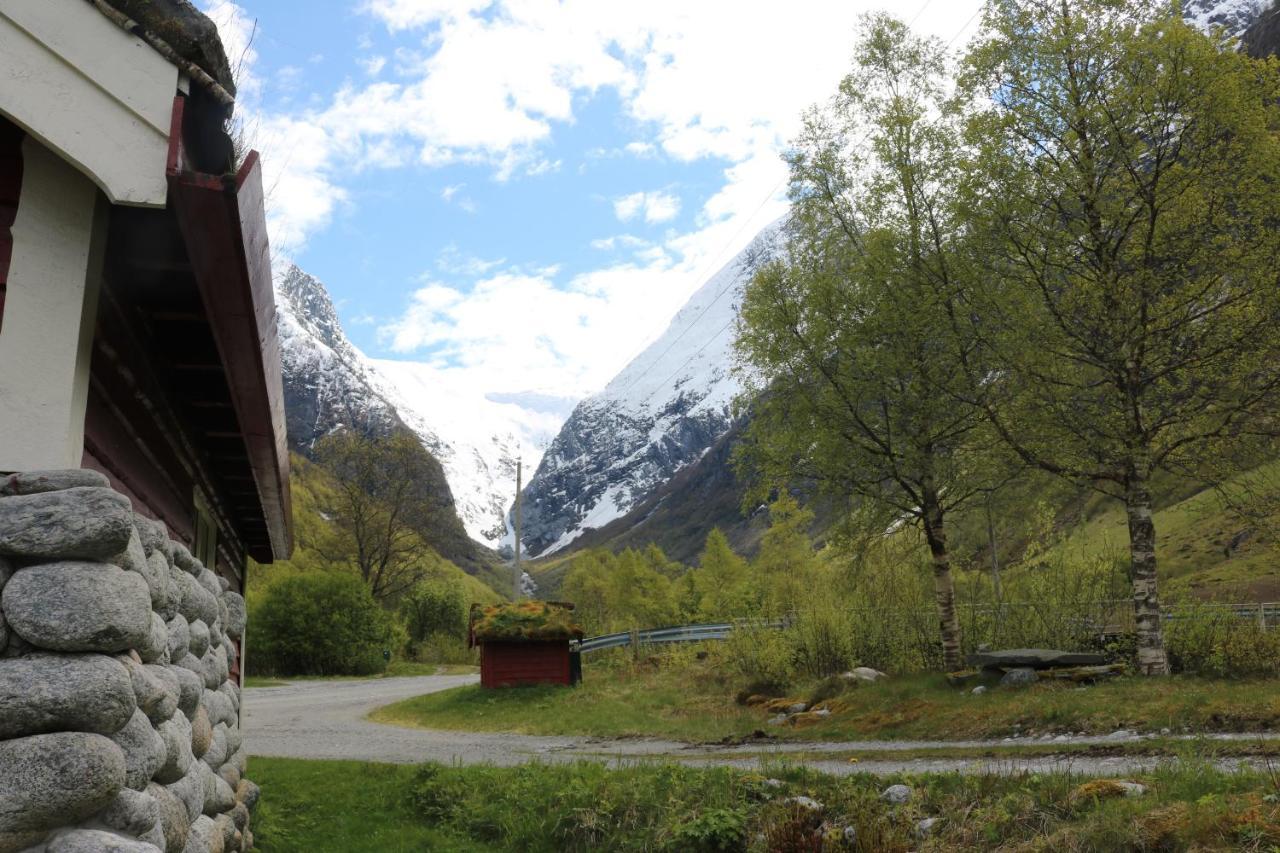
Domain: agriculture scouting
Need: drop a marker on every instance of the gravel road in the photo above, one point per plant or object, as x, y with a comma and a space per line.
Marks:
326, 719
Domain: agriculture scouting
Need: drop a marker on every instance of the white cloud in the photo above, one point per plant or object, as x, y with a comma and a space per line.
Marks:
373, 65
655, 206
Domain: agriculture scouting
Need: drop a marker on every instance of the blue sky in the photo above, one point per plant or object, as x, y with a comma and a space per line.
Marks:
521, 193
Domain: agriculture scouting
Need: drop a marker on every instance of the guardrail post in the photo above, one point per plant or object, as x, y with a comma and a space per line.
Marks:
635, 643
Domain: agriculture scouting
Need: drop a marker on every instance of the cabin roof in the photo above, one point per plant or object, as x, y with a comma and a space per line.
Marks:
185, 29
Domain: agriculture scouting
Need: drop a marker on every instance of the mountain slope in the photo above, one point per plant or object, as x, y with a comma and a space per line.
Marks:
661, 413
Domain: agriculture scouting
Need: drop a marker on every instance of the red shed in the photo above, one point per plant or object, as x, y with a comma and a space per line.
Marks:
524, 643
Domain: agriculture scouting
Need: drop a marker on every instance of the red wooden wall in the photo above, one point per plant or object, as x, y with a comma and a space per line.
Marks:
504, 664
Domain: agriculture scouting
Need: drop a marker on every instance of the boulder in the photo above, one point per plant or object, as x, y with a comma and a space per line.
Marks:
194, 602
1020, 677
1103, 789
132, 812
806, 803
96, 841
240, 816
896, 794
198, 643
216, 755
209, 669
169, 679
232, 692
235, 614
230, 774
176, 733
49, 693
1034, 659
154, 535
182, 559
179, 637
173, 817
864, 674
924, 828
227, 827
204, 837
78, 607
157, 696
38, 482
218, 796
155, 837
189, 790
78, 523
143, 748
191, 688
201, 733
12, 842
51, 780
209, 581
235, 740
156, 648
247, 792
159, 583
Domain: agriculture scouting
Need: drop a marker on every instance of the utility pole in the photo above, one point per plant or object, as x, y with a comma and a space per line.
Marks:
519, 488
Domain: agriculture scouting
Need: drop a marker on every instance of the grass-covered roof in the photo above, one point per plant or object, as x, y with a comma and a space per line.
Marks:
524, 620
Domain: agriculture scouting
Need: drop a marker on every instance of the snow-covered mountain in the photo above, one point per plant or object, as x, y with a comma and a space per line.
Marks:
662, 412
329, 382
1234, 16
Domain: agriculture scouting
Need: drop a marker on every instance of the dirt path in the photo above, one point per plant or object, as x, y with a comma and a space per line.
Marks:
326, 719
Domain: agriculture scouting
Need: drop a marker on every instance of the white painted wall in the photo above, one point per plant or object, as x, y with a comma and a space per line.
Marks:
51, 303
100, 97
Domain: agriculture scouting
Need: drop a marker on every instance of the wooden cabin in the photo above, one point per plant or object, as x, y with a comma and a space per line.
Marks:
137, 321
525, 643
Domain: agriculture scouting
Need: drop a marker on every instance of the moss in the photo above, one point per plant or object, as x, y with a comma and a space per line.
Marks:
525, 620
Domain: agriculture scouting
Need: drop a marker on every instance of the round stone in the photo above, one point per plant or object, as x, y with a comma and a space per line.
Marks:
78, 607
191, 687
54, 779
247, 792
199, 638
201, 732
144, 750
235, 613
189, 790
36, 482
179, 637
174, 821
96, 841
132, 812
155, 695
177, 736
78, 523
204, 837
218, 796
49, 693
195, 602
156, 648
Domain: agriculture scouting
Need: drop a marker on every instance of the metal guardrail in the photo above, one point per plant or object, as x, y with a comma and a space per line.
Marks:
674, 634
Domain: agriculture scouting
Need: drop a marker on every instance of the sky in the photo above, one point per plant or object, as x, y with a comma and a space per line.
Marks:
521, 193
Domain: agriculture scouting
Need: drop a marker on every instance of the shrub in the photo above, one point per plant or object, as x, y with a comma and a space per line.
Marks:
1212, 640
325, 623
761, 657
434, 614
822, 639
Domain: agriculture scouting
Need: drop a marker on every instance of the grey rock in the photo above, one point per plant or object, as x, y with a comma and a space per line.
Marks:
221, 667
4, 633
979, 690
239, 760
924, 828
1035, 658
159, 583
195, 602
17, 647
201, 733
133, 558
230, 774
235, 740
217, 754
144, 750
168, 678
191, 688
6, 571
96, 841
247, 792
210, 671
896, 794
218, 796
204, 837
51, 780
154, 535
199, 634
215, 630
156, 648
182, 559
173, 817
179, 637
232, 692
240, 816
78, 607
807, 803
227, 827
1021, 677
132, 812
798, 708
77, 523
176, 734
154, 836
235, 613
156, 695
777, 720
48, 693
12, 842
189, 790
37, 482
209, 581
1122, 734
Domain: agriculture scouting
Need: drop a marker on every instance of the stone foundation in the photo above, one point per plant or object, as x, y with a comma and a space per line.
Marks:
119, 724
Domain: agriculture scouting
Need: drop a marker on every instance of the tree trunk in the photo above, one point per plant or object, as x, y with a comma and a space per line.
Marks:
944, 592
1142, 554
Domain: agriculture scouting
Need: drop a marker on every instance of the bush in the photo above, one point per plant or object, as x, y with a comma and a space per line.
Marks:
434, 613
822, 639
761, 657
1211, 640
325, 623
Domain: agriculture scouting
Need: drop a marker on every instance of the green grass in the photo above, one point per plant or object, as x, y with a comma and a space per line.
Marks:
695, 702
564, 808
341, 806
263, 681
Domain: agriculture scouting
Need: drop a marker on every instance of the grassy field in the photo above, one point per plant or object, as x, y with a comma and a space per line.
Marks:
693, 702
340, 806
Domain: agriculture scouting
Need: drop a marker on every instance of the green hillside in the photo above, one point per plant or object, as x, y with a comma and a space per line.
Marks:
315, 546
